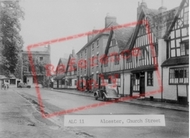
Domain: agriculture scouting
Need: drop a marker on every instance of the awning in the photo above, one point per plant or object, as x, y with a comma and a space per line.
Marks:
70, 77
182, 60
60, 77
145, 68
2, 77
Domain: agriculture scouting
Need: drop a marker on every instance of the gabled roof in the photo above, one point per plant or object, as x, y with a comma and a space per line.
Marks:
62, 61
159, 26
102, 32
178, 10
122, 37
68, 62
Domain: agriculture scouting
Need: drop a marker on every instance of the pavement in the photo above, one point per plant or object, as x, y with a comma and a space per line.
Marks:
20, 119
141, 102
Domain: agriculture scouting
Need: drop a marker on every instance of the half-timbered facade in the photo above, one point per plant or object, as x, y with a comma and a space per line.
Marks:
59, 82
176, 66
156, 63
112, 63
70, 79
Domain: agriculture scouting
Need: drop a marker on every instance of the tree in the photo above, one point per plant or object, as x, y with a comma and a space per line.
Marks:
10, 13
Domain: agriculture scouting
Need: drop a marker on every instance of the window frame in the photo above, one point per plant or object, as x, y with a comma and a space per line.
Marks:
177, 75
151, 78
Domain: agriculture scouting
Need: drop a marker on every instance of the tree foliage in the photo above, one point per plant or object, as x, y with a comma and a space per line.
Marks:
10, 13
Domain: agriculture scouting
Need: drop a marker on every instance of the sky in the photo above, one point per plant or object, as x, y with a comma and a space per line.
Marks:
51, 19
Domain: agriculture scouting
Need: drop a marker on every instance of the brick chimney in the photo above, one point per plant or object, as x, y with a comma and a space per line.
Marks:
73, 52
109, 20
140, 7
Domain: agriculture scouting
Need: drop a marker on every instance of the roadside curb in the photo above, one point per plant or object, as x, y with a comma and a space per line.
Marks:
126, 101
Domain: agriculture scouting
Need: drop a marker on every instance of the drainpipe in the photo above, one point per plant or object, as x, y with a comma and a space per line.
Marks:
162, 87
123, 74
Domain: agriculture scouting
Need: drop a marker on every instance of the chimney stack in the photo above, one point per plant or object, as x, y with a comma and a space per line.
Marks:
109, 20
73, 52
140, 7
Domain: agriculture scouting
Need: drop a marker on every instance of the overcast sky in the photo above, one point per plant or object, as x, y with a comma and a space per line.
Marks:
51, 19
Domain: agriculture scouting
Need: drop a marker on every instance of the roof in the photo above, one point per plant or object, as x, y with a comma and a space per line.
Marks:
182, 60
122, 37
159, 23
177, 12
103, 31
63, 60
59, 77
74, 64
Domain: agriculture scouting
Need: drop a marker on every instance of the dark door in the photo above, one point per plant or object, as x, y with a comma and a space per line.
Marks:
142, 84
131, 84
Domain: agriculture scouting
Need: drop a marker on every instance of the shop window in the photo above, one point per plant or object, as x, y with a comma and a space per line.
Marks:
150, 78
63, 82
179, 76
12, 81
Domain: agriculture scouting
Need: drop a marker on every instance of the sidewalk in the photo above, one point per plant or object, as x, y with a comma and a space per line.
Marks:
140, 102
19, 119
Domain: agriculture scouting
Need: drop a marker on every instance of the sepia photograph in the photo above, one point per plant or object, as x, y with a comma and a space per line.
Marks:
94, 68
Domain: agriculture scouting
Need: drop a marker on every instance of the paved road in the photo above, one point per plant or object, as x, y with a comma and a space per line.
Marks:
177, 123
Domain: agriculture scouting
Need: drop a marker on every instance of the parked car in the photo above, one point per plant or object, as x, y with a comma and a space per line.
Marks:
107, 92
23, 85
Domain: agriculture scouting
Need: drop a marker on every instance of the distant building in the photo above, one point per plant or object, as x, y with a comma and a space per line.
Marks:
40, 57
66, 73
60, 73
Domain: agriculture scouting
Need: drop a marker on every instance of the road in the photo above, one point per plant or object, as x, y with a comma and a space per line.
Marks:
177, 123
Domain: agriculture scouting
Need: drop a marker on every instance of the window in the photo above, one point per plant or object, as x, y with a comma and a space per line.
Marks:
179, 75
106, 61
97, 59
12, 81
142, 52
136, 82
41, 58
75, 82
93, 47
116, 59
184, 48
97, 43
85, 51
150, 78
186, 18
128, 57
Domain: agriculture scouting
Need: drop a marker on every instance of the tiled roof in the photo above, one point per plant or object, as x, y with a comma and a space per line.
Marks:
160, 21
122, 36
64, 61
103, 31
176, 61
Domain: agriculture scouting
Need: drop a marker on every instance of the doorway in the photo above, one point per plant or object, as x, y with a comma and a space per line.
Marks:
142, 84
